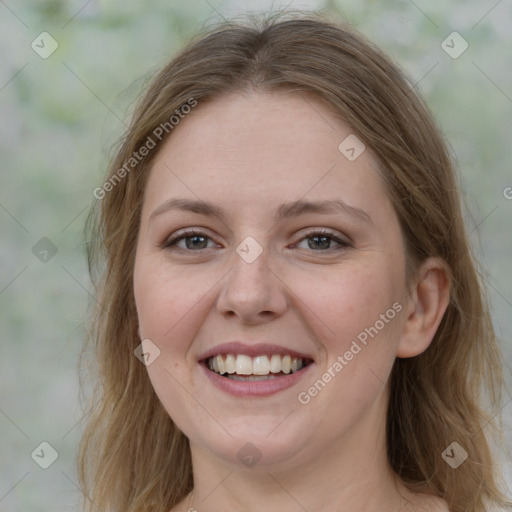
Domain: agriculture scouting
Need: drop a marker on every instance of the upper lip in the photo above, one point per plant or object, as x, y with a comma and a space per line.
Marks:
252, 350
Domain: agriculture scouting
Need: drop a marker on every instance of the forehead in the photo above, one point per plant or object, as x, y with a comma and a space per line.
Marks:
262, 121
250, 149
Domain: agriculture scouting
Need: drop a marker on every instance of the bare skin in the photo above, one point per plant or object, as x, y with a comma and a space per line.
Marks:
248, 154
410, 503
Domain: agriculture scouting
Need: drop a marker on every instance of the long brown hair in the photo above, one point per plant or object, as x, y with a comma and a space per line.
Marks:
132, 457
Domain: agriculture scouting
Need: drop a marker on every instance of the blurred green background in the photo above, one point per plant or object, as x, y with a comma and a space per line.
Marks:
60, 114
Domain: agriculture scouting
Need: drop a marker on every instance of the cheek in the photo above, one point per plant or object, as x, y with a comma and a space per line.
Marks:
167, 303
348, 300
355, 314
168, 299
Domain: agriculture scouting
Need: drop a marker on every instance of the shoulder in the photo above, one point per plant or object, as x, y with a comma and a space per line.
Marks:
425, 503
183, 506
438, 505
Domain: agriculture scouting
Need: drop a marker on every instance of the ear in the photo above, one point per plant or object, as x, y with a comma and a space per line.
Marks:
426, 305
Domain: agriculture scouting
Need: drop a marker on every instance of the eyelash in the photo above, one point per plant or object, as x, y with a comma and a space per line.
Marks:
170, 244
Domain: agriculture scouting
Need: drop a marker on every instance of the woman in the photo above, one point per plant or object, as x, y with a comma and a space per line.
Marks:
290, 315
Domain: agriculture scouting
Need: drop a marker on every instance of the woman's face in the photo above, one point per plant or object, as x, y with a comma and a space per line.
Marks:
259, 276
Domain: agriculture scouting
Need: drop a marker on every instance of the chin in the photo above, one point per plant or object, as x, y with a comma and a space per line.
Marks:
253, 445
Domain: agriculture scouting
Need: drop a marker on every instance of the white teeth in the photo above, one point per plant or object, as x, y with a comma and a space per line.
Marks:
252, 378
221, 364
286, 364
275, 363
243, 365
230, 363
262, 365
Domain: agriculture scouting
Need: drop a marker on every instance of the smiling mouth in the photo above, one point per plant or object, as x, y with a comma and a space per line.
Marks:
245, 368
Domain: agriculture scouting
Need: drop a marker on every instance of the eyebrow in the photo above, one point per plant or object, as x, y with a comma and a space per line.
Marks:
285, 211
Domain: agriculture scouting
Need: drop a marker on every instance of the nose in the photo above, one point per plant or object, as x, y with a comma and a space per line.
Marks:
252, 290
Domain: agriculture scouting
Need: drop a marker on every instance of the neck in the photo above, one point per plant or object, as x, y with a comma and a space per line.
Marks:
352, 474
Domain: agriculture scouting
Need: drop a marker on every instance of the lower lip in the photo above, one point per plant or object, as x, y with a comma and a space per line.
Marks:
258, 387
